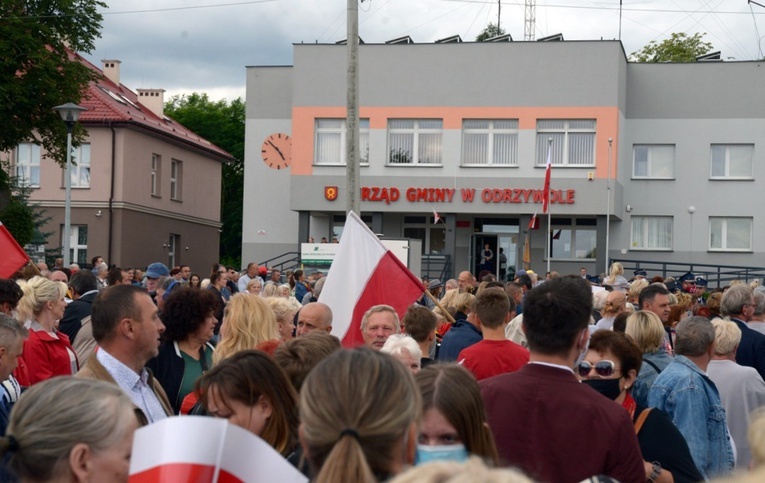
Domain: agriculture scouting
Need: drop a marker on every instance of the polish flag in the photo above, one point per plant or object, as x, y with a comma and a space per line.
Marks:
436, 218
548, 172
14, 257
534, 223
364, 274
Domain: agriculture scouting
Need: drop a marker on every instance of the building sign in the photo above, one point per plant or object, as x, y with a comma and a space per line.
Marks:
318, 254
392, 194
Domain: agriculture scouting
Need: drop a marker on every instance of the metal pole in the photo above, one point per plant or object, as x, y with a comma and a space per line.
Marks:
608, 202
549, 210
68, 199
620, 20
353, 178
499, 14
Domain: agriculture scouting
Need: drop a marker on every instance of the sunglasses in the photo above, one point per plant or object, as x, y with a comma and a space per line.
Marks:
602, 368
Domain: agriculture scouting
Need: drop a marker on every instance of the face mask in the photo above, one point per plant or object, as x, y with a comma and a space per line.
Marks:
450, 452
607, 387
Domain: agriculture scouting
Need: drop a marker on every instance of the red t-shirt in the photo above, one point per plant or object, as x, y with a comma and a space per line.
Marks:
493, 357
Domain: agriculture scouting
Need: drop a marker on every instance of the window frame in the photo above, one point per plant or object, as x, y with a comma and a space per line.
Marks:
567, 130
75, 247
76, 172
490, 132
156, 175
416, 131
644, 220
23, 170
176, 179
727, 176
649, 161
573, 227
724, 233
342, 131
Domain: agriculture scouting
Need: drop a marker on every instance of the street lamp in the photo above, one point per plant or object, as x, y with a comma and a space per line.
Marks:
70, 113
691, 211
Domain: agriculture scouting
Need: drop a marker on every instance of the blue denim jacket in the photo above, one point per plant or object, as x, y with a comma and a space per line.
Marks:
648, 375
691, 399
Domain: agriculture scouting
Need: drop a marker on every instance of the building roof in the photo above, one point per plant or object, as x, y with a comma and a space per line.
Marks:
107, 102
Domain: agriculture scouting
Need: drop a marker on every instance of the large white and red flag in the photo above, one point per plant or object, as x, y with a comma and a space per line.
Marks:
13, 256
546, 194
364, 274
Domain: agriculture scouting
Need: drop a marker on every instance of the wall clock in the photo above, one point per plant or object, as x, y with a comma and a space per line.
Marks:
277, 151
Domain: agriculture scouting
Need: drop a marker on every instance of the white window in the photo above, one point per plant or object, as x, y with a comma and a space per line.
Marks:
490, 142
156, 164
176, 179
730, 234
573, 142
28, 164
173, 242
651, 233
424, 228
330, 142
78, 243
413, 141
573, 238
732, 161
80, 173
653, 161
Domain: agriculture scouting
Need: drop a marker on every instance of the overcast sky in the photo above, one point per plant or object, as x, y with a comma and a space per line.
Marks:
187, 46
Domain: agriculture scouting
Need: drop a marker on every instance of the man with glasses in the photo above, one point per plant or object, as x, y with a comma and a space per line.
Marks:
543, 419
738, 304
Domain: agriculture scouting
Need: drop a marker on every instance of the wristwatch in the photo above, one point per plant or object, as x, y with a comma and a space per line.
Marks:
656, 471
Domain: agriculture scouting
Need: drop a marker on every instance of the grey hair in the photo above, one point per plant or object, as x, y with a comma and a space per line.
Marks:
759, 301
11, 331
319, 287
55, 415
377, 309
727, 336
694, 336
734, 299
398, 343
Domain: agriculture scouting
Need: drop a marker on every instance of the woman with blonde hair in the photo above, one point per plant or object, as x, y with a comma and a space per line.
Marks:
247, 321
345, 440
615, 275
633, 295
647, 331
285, 315
47, 352
270, 290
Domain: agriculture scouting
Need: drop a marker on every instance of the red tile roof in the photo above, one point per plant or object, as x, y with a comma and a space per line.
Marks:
106, 102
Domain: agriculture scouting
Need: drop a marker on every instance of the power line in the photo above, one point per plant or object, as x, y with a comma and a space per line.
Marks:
616, 8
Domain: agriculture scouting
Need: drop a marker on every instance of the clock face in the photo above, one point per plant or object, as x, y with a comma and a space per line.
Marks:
277, 151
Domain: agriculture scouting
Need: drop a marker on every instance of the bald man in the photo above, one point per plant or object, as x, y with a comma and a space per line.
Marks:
314, 316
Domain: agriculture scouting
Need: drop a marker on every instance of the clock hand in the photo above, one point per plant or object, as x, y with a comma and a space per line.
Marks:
277, 150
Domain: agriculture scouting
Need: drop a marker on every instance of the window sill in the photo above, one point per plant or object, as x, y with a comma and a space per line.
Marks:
731, 179
566, 166
648, 178
484, 166
177, 200
730, 250
413, 165
77, 187
157, 196
639, 249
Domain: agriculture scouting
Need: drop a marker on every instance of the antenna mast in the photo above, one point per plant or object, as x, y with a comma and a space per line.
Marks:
531, 20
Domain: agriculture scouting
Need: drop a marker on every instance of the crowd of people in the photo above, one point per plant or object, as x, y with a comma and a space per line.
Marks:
567, 379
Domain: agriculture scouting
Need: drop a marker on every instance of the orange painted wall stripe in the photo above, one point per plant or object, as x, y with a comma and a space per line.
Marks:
303, 121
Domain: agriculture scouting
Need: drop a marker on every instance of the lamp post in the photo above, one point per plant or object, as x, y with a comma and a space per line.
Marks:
691, 211
70, 113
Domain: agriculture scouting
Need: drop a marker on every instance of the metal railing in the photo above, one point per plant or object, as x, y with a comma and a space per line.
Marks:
716, 275
283, 262
436, 267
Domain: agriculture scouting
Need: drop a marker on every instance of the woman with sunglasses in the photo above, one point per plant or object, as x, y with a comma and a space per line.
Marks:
610, 367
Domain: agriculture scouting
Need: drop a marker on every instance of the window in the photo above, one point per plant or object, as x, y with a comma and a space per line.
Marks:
330, 141
28, 164
78, 243
573, 239
80, 173
490, 142
156, 165
412, 141
653, 161
573, 142
651, 233
173, 242
176, 179
730, 234
424, 228
732, 161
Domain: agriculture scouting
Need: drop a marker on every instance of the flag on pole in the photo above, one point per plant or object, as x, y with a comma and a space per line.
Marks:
548, 172
436, 218
534, 223
527, 252
13, 256
364, 274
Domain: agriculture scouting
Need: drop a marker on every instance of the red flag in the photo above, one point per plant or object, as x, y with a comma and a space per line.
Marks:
534, 223
556, 236
546, 194
13, 256
436, 218
364, 274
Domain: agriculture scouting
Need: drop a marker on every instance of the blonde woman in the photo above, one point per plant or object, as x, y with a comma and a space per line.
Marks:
247, 321
615, 275
285, 314
47, 352
270, 290
254, 287
647, 331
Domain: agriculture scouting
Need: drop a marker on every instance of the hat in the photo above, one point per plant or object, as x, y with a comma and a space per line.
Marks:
688, 277
701, 282
640, 272
519, 273
157, 270
262, 270
435, 284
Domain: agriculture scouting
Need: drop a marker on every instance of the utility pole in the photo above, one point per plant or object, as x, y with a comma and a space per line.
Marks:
353, 178
530, 21
499, 15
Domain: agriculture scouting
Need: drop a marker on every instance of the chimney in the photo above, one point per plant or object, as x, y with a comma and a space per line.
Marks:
154, 99
111, 70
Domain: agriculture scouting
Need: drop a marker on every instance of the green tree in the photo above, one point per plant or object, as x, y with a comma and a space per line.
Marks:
678, 48
221, 123
490, 31
38, 69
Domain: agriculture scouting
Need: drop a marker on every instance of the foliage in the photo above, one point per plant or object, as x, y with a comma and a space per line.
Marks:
19, 216
38, 70
490, 31
678, 48
221, 123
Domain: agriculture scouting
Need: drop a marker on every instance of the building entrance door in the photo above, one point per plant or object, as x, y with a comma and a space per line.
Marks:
503, 248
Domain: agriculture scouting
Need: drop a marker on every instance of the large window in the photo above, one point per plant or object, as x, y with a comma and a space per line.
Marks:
173, 243
176, 179
330, 141
730, 234
424, 228
653, 161
573, 239
28, 164
573, 142
651, 233
81, 167
413, 141
78, 243
156, 165
732, 161
490, 143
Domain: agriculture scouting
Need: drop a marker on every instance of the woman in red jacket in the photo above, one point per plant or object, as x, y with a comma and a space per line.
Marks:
47, 352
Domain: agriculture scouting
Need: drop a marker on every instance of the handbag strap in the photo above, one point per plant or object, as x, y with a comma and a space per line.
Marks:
641, 419
658, 371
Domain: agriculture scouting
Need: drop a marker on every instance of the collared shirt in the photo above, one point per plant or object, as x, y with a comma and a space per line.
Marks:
550, 364
136, 386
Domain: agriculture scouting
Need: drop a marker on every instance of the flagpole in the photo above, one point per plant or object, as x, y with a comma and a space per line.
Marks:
547, 194
608, 202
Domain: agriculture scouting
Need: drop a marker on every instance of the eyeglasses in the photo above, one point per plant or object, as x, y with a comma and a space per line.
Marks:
603, 368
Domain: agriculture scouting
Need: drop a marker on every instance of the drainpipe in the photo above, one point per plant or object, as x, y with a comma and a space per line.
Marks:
111, 194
